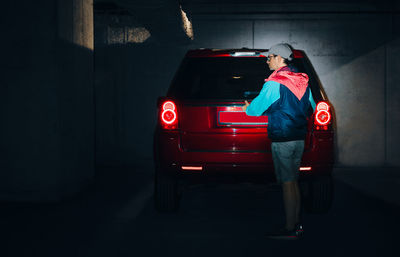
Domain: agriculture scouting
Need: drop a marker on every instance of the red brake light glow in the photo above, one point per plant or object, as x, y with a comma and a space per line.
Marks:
322, 115
169, 115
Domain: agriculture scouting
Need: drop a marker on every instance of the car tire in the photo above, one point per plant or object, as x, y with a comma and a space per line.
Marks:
318, 194
166, 192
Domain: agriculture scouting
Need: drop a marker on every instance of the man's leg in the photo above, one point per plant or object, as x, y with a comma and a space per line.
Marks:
298, 153
298, 201
291, 200
287, 158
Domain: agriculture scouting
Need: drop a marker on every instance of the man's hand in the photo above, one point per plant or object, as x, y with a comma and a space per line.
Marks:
244, 107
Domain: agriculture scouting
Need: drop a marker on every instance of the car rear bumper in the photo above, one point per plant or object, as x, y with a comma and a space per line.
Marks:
172, 158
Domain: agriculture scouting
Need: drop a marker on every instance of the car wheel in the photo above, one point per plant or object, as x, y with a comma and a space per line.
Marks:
318, 194
166, 192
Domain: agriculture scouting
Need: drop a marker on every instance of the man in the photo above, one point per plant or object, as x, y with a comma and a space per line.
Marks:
287, 101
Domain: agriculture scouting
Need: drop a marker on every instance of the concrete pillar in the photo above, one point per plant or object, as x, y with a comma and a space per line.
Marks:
47, 121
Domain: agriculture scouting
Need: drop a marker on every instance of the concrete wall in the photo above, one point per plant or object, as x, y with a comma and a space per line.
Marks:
46, 99
392, 101
355, 52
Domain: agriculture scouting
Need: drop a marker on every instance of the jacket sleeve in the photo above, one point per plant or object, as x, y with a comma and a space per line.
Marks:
311, 100
267, 96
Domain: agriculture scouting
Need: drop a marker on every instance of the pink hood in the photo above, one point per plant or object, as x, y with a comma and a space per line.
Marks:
295, 82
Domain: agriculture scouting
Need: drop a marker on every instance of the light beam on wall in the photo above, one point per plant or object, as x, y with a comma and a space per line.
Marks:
124, 35
137, 35
186, 24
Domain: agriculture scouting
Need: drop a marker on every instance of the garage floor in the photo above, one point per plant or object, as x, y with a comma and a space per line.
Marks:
115, 217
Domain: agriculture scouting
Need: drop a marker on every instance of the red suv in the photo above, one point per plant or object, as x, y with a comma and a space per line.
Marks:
203, 133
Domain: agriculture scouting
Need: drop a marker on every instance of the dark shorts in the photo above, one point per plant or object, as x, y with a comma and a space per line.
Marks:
287, 158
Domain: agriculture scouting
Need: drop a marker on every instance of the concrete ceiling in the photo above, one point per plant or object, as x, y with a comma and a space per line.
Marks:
163, 17
194, 6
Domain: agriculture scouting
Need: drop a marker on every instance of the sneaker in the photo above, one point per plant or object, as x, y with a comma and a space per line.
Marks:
299, 230
285, 234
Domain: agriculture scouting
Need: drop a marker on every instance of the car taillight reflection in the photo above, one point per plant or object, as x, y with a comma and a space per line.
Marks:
169, 116
322, 116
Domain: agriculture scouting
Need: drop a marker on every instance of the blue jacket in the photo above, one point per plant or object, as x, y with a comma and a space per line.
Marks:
287, 100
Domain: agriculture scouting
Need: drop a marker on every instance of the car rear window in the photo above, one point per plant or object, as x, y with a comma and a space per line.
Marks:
225, 78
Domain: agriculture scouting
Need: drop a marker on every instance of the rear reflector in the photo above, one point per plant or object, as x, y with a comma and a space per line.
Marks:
305, 168
192, 168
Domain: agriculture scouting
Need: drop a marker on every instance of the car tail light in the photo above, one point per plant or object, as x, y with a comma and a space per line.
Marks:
322, 116
169, 115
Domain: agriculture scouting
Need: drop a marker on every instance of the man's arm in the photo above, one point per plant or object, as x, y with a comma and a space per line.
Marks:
268, 95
